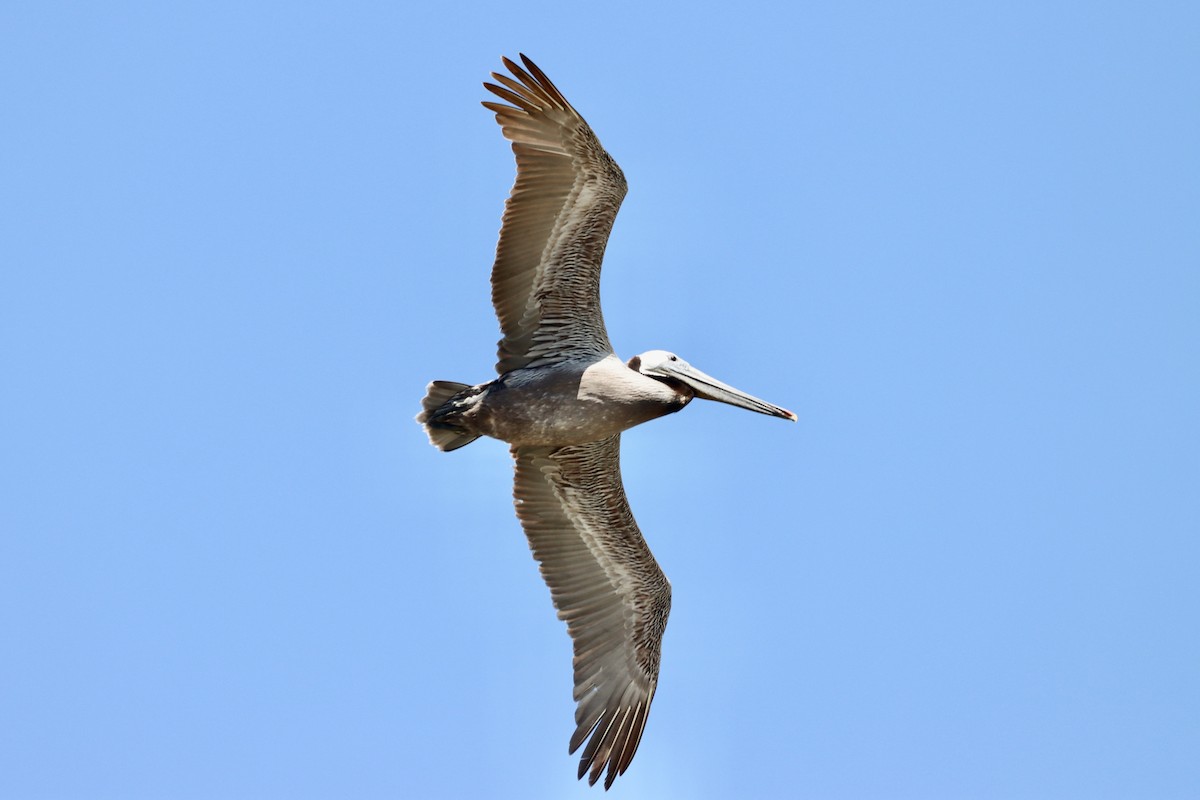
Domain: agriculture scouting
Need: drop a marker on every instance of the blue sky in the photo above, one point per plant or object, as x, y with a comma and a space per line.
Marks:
959, 240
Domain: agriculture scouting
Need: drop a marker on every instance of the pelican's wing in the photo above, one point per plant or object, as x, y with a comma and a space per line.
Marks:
606, 585
546, 278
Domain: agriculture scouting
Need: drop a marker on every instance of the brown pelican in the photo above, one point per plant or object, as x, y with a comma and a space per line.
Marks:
561, 401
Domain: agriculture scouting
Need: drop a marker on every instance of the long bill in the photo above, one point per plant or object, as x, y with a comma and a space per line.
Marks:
709, 388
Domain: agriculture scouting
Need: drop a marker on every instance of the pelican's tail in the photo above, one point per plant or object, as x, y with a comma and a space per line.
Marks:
439, 410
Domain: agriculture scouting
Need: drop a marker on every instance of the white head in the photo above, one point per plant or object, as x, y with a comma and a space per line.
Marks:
686, 379
656, 363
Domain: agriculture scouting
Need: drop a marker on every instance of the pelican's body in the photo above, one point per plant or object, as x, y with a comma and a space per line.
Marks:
572, 402
562, 400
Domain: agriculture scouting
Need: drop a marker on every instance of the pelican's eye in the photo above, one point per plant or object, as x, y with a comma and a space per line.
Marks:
674, 358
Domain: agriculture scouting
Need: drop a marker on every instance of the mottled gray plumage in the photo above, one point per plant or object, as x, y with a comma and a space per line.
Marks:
606, 586
546, 279
562, 400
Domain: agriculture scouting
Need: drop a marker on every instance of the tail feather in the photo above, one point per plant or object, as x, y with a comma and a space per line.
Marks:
443, 435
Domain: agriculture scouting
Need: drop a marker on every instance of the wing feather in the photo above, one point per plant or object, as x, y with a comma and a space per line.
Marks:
546, 277
605, 584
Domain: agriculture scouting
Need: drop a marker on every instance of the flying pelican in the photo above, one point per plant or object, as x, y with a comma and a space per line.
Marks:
561, 401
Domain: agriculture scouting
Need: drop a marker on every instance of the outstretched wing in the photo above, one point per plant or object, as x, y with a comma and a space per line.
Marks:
605, 584
546, 278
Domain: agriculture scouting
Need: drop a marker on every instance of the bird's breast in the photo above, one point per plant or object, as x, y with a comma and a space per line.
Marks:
573, 403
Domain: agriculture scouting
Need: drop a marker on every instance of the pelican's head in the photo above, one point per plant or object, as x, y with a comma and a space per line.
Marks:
686, 379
